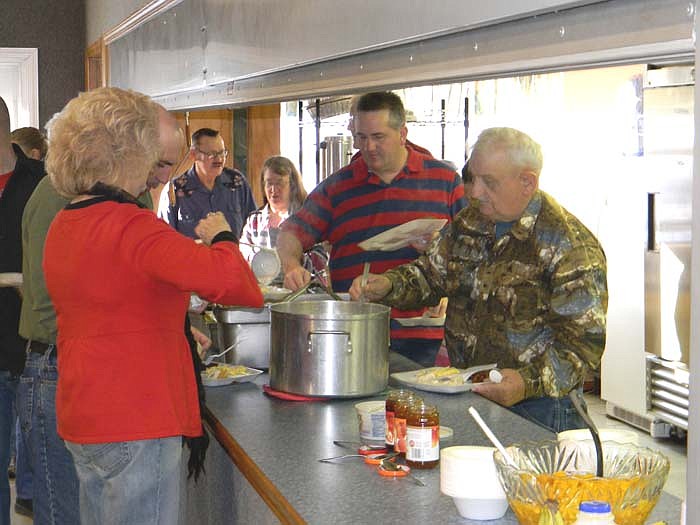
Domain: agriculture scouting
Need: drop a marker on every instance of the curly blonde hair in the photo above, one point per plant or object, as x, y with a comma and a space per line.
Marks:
107, 135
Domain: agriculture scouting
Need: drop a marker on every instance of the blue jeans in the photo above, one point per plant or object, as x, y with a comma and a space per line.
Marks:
23, 468
129, 482
55, 482
8, 389
555, 414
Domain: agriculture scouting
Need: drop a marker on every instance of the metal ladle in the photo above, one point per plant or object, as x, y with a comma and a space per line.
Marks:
579, 404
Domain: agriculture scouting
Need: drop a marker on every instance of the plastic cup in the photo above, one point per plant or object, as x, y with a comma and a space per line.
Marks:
371, 420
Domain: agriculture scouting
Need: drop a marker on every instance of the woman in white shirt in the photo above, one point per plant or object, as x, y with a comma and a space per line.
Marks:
284, 194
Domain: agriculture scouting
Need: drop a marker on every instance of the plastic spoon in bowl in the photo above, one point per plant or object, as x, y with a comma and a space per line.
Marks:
492, 437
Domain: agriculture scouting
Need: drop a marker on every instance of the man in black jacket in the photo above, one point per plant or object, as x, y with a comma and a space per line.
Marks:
18, 178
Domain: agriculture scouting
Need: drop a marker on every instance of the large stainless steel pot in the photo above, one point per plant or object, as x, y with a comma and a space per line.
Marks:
249, 330
329, 348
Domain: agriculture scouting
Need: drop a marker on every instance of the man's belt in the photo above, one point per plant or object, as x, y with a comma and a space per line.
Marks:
40, 348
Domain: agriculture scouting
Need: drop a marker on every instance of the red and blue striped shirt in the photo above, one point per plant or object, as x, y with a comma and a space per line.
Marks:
353, 205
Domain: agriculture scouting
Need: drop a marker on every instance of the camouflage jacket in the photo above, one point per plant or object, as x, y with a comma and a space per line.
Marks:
534, 300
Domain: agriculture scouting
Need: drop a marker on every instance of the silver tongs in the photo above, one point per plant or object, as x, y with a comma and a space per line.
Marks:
321, 278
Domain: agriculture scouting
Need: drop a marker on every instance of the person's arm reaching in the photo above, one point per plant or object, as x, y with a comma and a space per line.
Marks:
290, 252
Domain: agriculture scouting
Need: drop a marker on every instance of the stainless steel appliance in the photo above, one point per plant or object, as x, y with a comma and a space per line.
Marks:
329, 348
668, 134
336, 153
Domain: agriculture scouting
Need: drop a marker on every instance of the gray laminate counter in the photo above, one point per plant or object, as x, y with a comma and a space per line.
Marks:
285, 439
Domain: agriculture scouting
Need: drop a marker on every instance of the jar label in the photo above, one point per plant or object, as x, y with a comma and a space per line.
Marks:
389, 438
399, 434
423, 443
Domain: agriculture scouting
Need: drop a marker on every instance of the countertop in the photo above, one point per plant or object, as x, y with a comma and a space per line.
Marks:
285, 439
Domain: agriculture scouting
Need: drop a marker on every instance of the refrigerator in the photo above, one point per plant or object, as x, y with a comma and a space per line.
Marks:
667, 131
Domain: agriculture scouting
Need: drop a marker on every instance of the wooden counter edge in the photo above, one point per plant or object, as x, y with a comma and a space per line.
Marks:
260, 482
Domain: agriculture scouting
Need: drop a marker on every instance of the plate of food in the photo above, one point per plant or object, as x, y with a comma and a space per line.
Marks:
225, 374
422, 320
402, 235
447, 379
274, 293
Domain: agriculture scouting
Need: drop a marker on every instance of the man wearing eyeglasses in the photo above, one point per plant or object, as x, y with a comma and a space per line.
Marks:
209, 187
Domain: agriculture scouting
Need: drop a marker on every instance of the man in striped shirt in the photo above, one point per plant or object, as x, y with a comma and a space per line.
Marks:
390, 184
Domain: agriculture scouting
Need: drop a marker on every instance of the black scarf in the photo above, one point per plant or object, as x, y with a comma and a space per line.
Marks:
197, 445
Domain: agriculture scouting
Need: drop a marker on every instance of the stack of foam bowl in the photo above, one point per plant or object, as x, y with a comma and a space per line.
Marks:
468, 475
619, 435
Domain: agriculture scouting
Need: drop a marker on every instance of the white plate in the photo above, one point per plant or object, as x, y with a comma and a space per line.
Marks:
422, 320
250, 374
402, 235
410, 379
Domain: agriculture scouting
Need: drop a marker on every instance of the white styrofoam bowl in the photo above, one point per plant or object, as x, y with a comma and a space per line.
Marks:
481, 509
468, 474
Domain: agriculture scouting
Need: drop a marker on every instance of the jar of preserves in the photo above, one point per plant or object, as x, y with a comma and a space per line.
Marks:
422, 436
390, 407
401, 410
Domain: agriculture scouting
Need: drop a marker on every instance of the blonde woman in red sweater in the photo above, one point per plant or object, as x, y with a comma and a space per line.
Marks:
120, 281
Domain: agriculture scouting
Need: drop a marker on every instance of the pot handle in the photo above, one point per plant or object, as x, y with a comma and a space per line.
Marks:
328, 332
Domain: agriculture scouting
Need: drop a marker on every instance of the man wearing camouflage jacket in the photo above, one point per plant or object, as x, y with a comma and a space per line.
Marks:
526, 282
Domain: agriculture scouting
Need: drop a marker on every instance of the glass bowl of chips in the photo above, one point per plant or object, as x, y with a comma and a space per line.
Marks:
555, 476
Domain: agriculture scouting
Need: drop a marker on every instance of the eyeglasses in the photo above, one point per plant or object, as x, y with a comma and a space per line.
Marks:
277, 185
213, 154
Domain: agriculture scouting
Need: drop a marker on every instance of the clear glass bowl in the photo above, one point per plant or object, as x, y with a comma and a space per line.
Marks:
633, 478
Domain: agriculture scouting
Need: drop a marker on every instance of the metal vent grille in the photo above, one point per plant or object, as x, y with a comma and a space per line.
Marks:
668, 392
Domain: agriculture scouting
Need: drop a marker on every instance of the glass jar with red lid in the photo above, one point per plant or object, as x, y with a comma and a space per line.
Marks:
422, 436
402, 407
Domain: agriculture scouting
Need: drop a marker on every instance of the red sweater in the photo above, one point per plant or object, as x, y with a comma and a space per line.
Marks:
120, 281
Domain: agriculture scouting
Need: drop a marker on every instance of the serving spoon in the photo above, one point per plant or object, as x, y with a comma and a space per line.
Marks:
211, 358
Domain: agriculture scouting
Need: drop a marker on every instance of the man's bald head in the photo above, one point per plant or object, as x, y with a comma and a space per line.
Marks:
171, 141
